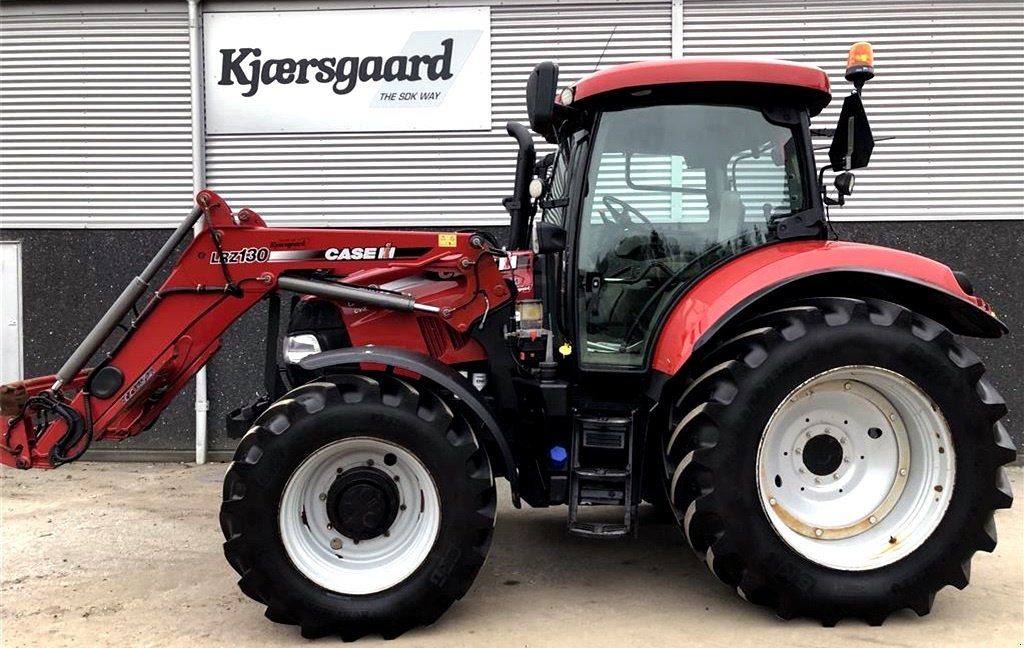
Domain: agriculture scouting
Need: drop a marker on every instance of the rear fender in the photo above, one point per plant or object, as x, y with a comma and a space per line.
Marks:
786, 271
438, 373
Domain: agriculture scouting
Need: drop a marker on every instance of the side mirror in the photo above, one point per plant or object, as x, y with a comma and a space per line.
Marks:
540, 98
548, 237
853, 142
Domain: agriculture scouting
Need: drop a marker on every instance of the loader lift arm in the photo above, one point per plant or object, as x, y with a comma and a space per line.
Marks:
231, 264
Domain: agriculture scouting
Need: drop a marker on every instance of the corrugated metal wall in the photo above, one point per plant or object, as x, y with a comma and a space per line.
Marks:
414, 179
950, 88
94, 105
94, 115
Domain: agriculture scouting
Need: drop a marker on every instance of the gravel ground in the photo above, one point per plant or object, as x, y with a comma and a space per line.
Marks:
130, 555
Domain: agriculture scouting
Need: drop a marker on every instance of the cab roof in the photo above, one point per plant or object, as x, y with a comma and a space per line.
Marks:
709, 70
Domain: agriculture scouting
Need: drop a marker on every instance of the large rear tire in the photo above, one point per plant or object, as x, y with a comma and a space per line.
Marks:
360, 505
839, 458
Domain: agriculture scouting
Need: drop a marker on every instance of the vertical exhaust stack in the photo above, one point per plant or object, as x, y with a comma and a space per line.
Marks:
519, 205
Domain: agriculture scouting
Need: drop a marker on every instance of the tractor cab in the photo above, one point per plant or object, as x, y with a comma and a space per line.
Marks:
662, 171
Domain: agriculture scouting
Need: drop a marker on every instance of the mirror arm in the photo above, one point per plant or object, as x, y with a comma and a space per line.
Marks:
823, 188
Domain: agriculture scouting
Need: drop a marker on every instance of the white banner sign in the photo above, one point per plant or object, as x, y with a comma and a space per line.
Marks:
329, 71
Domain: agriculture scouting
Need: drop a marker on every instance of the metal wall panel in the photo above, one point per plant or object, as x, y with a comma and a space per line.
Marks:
94, 115
950, 88
431, 179
11, 342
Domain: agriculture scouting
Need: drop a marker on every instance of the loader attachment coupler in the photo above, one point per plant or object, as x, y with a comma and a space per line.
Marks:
46, 408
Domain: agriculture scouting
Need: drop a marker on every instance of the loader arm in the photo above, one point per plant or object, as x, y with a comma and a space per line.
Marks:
232, 263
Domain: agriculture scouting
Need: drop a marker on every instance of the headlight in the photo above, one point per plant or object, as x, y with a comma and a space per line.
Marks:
297, 347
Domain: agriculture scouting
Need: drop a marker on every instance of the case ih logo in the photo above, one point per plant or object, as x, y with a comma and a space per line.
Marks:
358, 253
245, 67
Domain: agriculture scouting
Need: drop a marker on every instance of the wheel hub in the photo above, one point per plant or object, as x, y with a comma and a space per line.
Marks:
823, 454
363, 503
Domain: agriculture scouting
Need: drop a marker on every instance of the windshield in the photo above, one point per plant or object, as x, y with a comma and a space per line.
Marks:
672, 189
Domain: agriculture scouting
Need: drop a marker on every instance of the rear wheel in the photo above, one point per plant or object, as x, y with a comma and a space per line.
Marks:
840, 458
356, 506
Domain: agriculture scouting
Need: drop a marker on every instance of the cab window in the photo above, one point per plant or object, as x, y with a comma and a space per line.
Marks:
672, 190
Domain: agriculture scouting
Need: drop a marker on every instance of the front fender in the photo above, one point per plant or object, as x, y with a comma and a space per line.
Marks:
817, 268
436, 372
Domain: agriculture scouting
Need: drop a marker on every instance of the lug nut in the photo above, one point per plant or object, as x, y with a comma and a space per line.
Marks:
387, 534
369, 462
798, 451
323, 496
771, 501
903, 472
809, 434
872, 519
335, 543
396, 478
817, 480
818, 532
892, 417
835, 476
847, 460
847, 386
402, 507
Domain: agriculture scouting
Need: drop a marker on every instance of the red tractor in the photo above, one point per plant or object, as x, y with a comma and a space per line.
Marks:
675, 326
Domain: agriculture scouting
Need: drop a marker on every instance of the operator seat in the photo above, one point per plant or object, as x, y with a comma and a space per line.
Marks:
630, 274
731, 215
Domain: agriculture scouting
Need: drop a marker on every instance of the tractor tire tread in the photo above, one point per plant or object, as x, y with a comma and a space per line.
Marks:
696, 432
260, 444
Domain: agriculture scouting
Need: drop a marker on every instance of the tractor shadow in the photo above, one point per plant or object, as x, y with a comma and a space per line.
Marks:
537, 576
535, 567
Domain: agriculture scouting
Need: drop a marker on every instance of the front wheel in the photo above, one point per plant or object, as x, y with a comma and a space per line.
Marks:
359, 505
840, 458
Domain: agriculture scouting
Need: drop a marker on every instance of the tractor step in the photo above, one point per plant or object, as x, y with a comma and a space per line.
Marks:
599, 529
602, 473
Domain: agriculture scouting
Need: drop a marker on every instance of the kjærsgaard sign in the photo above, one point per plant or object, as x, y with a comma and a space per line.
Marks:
336, 71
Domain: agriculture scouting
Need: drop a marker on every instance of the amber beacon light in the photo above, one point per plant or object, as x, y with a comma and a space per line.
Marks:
860, 66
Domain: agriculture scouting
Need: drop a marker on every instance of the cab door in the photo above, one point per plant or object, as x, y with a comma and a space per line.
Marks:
671, 190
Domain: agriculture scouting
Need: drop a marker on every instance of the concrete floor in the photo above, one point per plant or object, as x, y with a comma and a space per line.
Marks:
130, 555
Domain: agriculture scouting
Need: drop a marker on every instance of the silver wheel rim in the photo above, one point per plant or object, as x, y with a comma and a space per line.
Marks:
893, 460
339, 563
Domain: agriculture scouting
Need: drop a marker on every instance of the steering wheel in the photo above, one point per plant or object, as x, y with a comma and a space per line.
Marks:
622, 211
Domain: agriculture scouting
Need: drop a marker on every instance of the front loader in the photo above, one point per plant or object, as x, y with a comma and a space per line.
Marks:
670, 322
